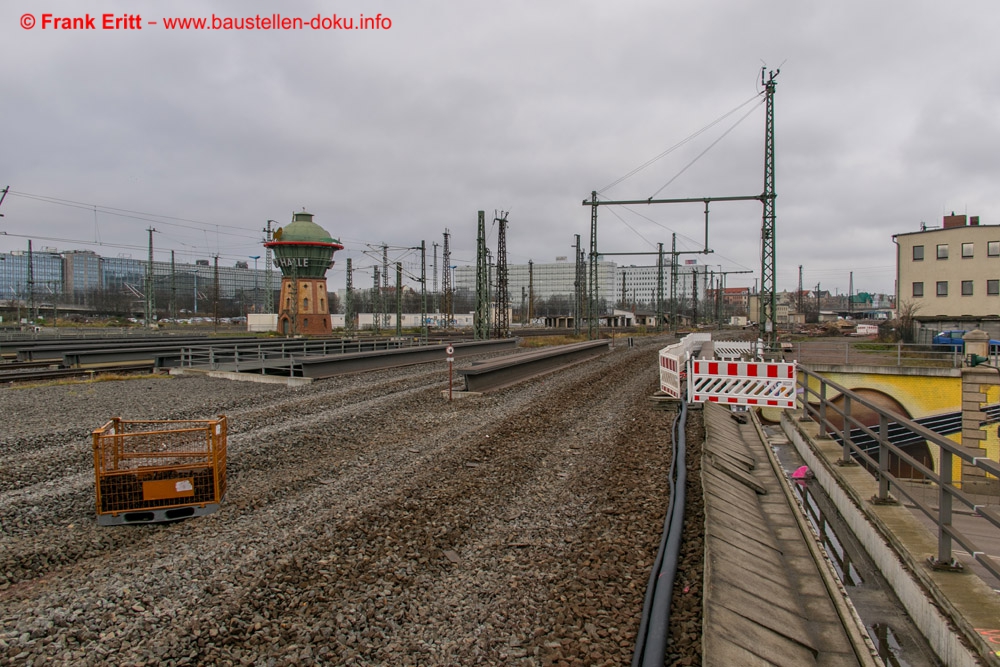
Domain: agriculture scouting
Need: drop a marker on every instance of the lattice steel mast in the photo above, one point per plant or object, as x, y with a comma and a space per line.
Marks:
659, 288
768, 260
399, 299
446, 307
385, 286
593, 316
423, 288
435, 303
503, 295
578, 282
349, 300
481, 326
376, 302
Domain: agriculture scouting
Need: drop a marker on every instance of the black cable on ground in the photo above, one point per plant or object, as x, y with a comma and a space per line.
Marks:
651, 641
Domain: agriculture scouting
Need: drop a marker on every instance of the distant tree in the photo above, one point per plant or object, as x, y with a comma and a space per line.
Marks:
411, 301
906, 319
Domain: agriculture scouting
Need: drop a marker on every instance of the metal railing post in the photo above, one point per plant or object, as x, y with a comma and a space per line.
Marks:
944, 505
883, 458
846, 433
822, 409
805, 398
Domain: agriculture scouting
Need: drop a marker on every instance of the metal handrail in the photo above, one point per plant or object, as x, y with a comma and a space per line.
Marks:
842, 351
947, 449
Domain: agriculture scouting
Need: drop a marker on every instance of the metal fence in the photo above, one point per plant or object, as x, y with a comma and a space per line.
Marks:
876, 446
869, 353
254, 354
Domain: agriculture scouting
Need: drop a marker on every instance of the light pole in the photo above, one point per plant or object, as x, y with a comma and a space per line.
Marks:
256, 303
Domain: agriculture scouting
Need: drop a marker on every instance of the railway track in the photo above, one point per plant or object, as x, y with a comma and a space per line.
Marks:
41, 372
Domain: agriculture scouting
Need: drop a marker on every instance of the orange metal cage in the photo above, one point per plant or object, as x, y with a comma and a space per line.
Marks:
145, 467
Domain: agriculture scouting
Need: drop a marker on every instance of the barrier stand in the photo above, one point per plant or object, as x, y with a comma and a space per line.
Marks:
450, 351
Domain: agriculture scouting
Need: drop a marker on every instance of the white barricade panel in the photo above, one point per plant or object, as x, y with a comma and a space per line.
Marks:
736, 349
673, 362
670, 373
764, 383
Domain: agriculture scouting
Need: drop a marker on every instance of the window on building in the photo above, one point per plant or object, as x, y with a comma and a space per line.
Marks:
993, 248
993, 287
942, 288
966, 250
918, 289
305, 303
918, 253
942, 251
966, 288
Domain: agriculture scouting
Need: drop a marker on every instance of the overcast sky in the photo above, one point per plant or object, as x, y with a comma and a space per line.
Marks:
886, 116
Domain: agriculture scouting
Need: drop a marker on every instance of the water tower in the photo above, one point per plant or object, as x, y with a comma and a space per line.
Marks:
303, 251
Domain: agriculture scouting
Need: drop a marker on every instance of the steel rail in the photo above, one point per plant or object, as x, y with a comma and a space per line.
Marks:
505, 371
59, 373
324, 367
57, 350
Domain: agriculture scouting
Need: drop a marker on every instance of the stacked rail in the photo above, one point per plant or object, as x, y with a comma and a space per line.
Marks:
497, 373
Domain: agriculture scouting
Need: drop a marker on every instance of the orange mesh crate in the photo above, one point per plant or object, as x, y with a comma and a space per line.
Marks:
159, 470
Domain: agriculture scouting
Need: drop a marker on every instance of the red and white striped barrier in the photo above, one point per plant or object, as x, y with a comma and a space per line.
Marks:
673, 360
756, 383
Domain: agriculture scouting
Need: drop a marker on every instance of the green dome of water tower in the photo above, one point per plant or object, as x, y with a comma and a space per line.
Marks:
303, 251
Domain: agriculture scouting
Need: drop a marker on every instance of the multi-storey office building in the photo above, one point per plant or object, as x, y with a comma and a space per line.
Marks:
552, 284
641, 282
119, 284
38, 273
950, 273
81, 275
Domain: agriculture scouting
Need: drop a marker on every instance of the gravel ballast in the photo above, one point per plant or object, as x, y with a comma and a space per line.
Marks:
368, 521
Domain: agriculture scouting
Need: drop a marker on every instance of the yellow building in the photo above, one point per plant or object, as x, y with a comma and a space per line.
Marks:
952, 272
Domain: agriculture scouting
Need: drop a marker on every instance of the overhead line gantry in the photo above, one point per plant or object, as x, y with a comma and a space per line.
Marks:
594, 202
768, 300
